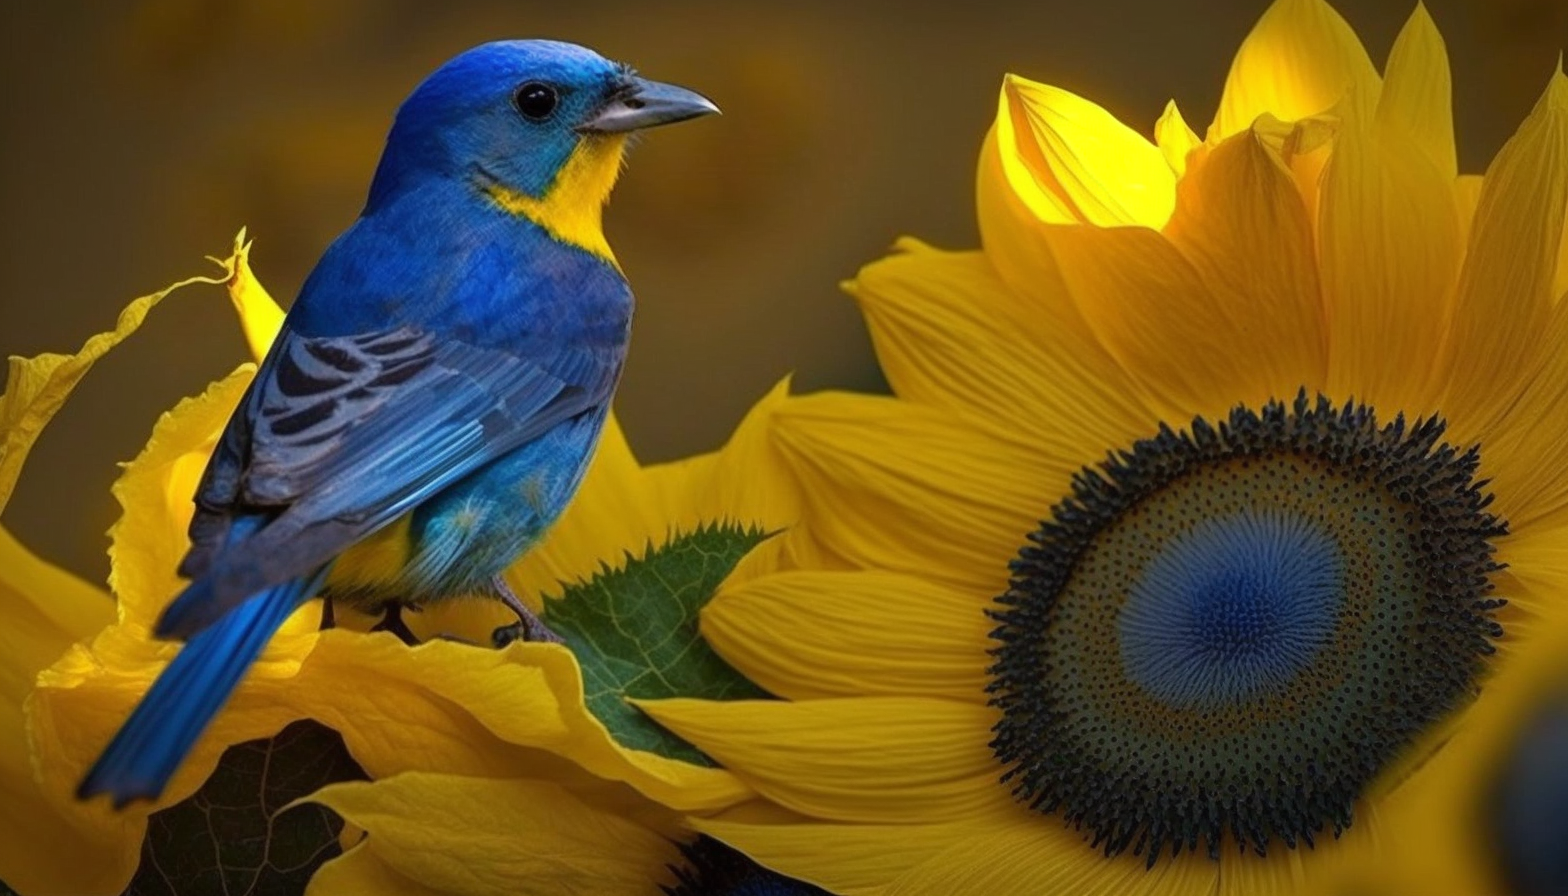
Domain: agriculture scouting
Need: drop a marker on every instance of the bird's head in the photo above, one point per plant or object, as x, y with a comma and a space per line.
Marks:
535, 127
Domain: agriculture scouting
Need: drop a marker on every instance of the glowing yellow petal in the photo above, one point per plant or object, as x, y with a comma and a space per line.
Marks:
260, 316
1073, 162
1300, 59
955, 511
1417, 92
1467, 195
1042, 855
1174, 138
824, 634
37, 387
947, 335
1390, 251
535, 838
1242, 226
1505, 288
870, 759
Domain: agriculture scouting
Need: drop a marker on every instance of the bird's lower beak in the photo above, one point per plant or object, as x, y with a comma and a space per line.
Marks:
645, 104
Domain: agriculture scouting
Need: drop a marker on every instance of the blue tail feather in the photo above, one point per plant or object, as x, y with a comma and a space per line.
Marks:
176, 709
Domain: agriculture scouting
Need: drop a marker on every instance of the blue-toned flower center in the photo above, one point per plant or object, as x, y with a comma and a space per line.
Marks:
1225, 633
1233, 608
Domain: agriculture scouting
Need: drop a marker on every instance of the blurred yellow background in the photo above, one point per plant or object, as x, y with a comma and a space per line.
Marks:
139, 136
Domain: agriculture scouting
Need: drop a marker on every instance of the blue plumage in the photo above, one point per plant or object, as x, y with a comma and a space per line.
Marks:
438, 386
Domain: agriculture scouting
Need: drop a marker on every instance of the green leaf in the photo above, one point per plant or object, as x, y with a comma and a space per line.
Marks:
634, 631
230, 836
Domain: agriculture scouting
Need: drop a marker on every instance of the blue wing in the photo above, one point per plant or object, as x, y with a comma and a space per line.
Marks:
340, 436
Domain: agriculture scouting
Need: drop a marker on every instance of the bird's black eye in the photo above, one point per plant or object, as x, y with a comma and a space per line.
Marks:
536, 100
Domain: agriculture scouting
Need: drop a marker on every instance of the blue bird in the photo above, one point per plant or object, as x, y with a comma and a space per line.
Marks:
437, 389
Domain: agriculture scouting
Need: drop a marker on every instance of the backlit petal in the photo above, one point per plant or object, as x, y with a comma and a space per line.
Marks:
1073, 162
1174, 138
1300, 59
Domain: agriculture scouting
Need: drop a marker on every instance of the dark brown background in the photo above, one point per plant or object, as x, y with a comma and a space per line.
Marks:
137, 137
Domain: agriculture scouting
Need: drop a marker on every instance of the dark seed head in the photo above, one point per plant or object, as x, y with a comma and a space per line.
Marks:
1226, 632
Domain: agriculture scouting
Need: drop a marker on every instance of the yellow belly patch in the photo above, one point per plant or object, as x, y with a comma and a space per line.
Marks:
572, 208
376, 560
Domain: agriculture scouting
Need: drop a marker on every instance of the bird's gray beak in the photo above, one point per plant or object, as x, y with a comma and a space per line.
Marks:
644, 104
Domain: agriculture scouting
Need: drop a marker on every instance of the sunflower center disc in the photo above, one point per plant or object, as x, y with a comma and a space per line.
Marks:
1228, 632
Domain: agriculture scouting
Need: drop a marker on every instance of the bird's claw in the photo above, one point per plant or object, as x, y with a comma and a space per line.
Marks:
525, 629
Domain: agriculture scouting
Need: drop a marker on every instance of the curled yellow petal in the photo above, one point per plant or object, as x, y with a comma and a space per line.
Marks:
1071, 161
1301, 58
1174, 138
536, 838
260, 316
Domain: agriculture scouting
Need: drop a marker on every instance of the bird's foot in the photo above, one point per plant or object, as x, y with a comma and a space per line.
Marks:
528, 627
392, 621
329, 619
531, 628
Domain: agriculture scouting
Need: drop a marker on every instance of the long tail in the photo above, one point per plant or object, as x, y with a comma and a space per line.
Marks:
163, 727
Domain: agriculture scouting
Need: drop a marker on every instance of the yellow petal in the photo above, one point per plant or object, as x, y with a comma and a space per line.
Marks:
1300, 59
1390, 251
360, 871
811, 634
1467, 195
1526, 453
1242, 225
1501, 310
1417, 92
948, 335
46, 610
37, 387
1188, 350
260, 316
1174, 138
871, 759
155, 492
1073, 162
1042, 855
528, 838
844, 859
956, 511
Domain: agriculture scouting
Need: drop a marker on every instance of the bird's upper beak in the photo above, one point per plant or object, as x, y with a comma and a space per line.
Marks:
641, 103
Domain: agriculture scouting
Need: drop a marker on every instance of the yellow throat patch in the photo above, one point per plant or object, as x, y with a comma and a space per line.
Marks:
572, 209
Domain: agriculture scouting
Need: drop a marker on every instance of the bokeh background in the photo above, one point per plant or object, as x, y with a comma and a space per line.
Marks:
137, 137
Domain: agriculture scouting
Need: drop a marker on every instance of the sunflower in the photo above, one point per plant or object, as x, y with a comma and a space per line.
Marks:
1215, 490
536, 734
